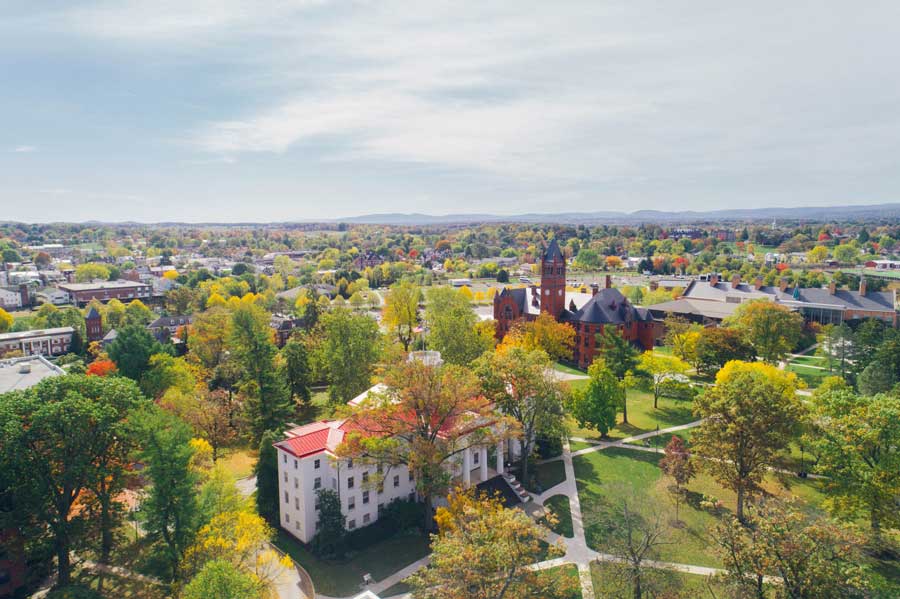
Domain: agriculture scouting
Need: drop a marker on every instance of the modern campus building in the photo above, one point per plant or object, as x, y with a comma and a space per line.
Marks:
125, 291
45, 342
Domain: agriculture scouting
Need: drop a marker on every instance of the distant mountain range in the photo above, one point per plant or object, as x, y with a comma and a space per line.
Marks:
875, 212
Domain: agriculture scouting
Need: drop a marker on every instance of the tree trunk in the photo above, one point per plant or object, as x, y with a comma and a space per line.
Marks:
63, 567
638, 592
428, 519
655, 398
625, 409
526, 451
740, 504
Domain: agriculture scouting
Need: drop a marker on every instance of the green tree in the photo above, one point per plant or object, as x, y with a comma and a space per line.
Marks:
164, 372
64, 441
856, 439
716, 346
661, 369
131, 351
331, 531
522, 384
772, 329
620, 356
595, 405
846, 254
452, 324
266, 471
750, 415
348, 352
220, 579
295, 368
137, 313
171, 508
401, 311
250, 341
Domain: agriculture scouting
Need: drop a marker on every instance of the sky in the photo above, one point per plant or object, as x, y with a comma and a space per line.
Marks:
263, 111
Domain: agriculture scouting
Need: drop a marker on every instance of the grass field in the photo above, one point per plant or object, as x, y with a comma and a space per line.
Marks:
343, 577
607, 477
568, 369
238, 462
642, 417
559, 505
813, 377
611, 583
809, 361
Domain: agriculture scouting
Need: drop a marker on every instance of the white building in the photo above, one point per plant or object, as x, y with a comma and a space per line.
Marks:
307, 462
10, 300
44, 342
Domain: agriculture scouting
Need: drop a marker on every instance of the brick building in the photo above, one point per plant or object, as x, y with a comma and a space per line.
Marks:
43, 342
588, 313
125, 291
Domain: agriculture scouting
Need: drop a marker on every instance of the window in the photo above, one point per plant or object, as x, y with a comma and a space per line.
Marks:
366, 519
285, 476
316, 464
410, 476
317, 484
351, 503
396, 480
298, 525
297, 502
287, 517
365, 497
296, 483
476, 456
287, 498
365, 477
295, 464
351, 524
350, 482
349, 464
284, 458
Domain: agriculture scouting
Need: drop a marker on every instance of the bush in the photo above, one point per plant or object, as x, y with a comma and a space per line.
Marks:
73, 591
398, 516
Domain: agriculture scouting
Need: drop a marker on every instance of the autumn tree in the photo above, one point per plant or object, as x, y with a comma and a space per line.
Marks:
165, 372
137, 313
522, 384
772, 329
211, 418
677, 464
65, 440
595, 405
6, 321
401, 312
220, 579
856, 438
750, 415
556, 339
427, 416
809, 557
90, 271
659, 370
483, 551
208, 342
131, 351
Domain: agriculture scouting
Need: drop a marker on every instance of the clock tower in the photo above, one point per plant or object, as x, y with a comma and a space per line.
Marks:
553, 281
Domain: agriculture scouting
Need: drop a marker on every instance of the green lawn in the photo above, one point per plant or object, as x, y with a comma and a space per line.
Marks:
570, 572
809, 361
576, 445
238, 462
811, 376
610, 583
559, 505
548, 475
568, 369
642, 417
343, 577
660, 441
606, 477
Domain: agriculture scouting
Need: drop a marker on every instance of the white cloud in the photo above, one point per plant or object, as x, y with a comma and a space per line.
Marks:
24, 149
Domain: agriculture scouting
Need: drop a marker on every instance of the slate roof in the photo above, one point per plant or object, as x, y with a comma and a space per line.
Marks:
608, 306
92, 313
553, 252
170, 321
877, 301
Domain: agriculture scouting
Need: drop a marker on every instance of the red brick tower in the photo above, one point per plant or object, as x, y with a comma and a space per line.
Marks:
93, 324
553, 280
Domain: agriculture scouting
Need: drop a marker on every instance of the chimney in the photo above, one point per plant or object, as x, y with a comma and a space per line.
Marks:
862, 286
832, 287
758, 283
782, 284
594, 289
735, 280
608, 281
713, 279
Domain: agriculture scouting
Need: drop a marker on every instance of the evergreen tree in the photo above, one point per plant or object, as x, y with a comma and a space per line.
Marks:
329, 539
266, 471
296, 369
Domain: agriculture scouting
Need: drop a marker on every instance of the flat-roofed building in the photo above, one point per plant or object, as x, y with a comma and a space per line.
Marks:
18, 374
125, 291
43, 342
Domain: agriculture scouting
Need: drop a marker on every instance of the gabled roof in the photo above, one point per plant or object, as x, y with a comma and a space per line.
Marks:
609, 306
313, 438
92, 313
553, 252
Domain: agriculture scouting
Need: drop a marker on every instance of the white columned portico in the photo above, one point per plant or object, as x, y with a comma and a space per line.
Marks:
467, 467
482, 462
500, 457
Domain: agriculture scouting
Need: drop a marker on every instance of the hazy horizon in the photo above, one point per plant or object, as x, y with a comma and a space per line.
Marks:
241, 111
